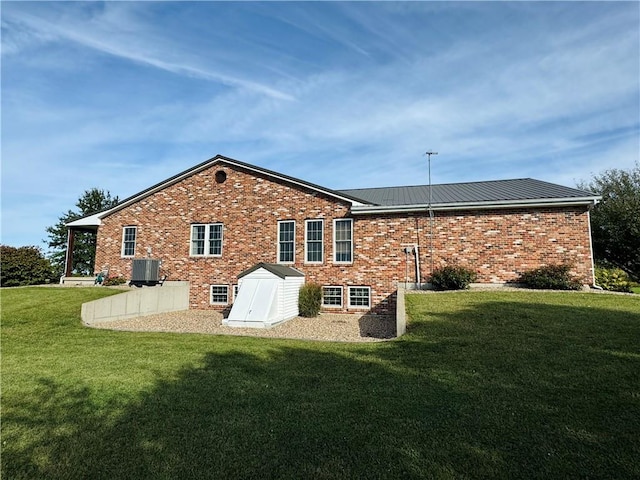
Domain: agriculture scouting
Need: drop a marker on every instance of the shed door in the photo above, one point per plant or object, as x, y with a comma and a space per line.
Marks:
256, 299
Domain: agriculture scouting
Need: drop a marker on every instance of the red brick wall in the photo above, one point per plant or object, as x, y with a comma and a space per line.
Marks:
498, 244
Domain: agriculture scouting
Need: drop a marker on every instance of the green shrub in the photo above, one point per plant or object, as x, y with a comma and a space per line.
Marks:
310, 299
551, 277
23, 266
452, 277
613, 279
111, 281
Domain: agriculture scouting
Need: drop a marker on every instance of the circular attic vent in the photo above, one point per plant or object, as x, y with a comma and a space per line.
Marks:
220, 176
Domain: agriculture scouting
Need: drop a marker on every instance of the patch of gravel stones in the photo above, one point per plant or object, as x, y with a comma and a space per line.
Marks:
325, 327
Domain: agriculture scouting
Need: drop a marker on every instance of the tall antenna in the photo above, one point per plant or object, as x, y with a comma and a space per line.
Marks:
428, 154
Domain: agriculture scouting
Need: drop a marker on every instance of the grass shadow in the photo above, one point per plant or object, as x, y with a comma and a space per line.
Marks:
298, 414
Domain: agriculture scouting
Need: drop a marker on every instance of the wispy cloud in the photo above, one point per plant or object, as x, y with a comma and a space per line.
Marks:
121, 95
120, 40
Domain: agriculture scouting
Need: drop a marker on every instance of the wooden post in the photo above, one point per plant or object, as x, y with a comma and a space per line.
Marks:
68, 260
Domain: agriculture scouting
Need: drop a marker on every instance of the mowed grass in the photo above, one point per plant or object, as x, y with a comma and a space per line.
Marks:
484, 385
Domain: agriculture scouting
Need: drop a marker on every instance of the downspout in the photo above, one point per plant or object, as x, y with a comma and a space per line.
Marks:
415, 249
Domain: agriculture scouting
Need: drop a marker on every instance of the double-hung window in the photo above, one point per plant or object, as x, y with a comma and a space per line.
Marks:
206, 239
314, 245
286, 241
343, 240
129, 241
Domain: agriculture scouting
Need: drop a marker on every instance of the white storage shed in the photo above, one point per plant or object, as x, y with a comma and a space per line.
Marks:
267, 295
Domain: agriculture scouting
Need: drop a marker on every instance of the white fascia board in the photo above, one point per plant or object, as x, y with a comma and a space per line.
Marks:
538, 203
90, 221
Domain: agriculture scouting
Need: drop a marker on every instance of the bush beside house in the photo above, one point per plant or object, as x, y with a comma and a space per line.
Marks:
310, 299
613, 279
551, 277
453, 277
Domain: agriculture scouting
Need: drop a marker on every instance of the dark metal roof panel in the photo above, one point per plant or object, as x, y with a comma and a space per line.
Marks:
281, 271
488, 191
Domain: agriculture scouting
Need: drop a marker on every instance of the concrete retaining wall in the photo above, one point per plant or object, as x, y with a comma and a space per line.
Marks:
78, 281
170, 297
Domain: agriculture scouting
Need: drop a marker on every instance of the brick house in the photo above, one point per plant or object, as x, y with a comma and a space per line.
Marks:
210, 223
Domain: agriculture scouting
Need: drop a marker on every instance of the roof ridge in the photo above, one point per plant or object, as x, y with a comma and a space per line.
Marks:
443, 184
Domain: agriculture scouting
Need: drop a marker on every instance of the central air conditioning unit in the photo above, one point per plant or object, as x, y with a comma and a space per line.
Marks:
145, 271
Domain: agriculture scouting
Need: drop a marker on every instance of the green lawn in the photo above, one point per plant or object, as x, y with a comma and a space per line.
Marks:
484, 385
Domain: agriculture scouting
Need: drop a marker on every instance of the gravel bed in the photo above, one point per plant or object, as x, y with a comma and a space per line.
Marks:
326, 327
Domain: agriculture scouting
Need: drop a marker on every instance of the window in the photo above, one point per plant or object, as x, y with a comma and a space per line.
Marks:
342, 240
286, 241
360, 297
332, 297
235, 289
314, 234
206, 240
129, 241
220, 294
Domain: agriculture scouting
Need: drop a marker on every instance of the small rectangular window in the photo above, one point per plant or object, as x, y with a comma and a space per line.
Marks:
343, 240
235, 289
220, 294
332, 297
360, 297
129, 241
314, 241
286, 241
206, 239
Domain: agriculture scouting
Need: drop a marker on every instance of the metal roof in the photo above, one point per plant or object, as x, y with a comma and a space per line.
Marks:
471, 192
488, 194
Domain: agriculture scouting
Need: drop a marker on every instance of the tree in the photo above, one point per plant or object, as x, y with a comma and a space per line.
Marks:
615, 220
84, 251
23, 266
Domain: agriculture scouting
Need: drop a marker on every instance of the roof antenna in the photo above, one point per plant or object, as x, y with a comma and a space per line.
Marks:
428, 154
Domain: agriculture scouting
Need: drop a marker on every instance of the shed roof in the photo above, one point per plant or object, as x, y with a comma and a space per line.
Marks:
281, 271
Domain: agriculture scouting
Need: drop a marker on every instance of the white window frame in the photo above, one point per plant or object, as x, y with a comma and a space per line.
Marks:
349, 290
125, 241
293, 242
326, 305
306, 241
335, 241
234, 289
211, 287
208, 227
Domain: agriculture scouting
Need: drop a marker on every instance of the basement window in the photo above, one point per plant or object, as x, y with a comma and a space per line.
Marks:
359, 297
332, 297
219, 294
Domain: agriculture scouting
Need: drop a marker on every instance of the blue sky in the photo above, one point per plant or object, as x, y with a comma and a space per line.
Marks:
122, 95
